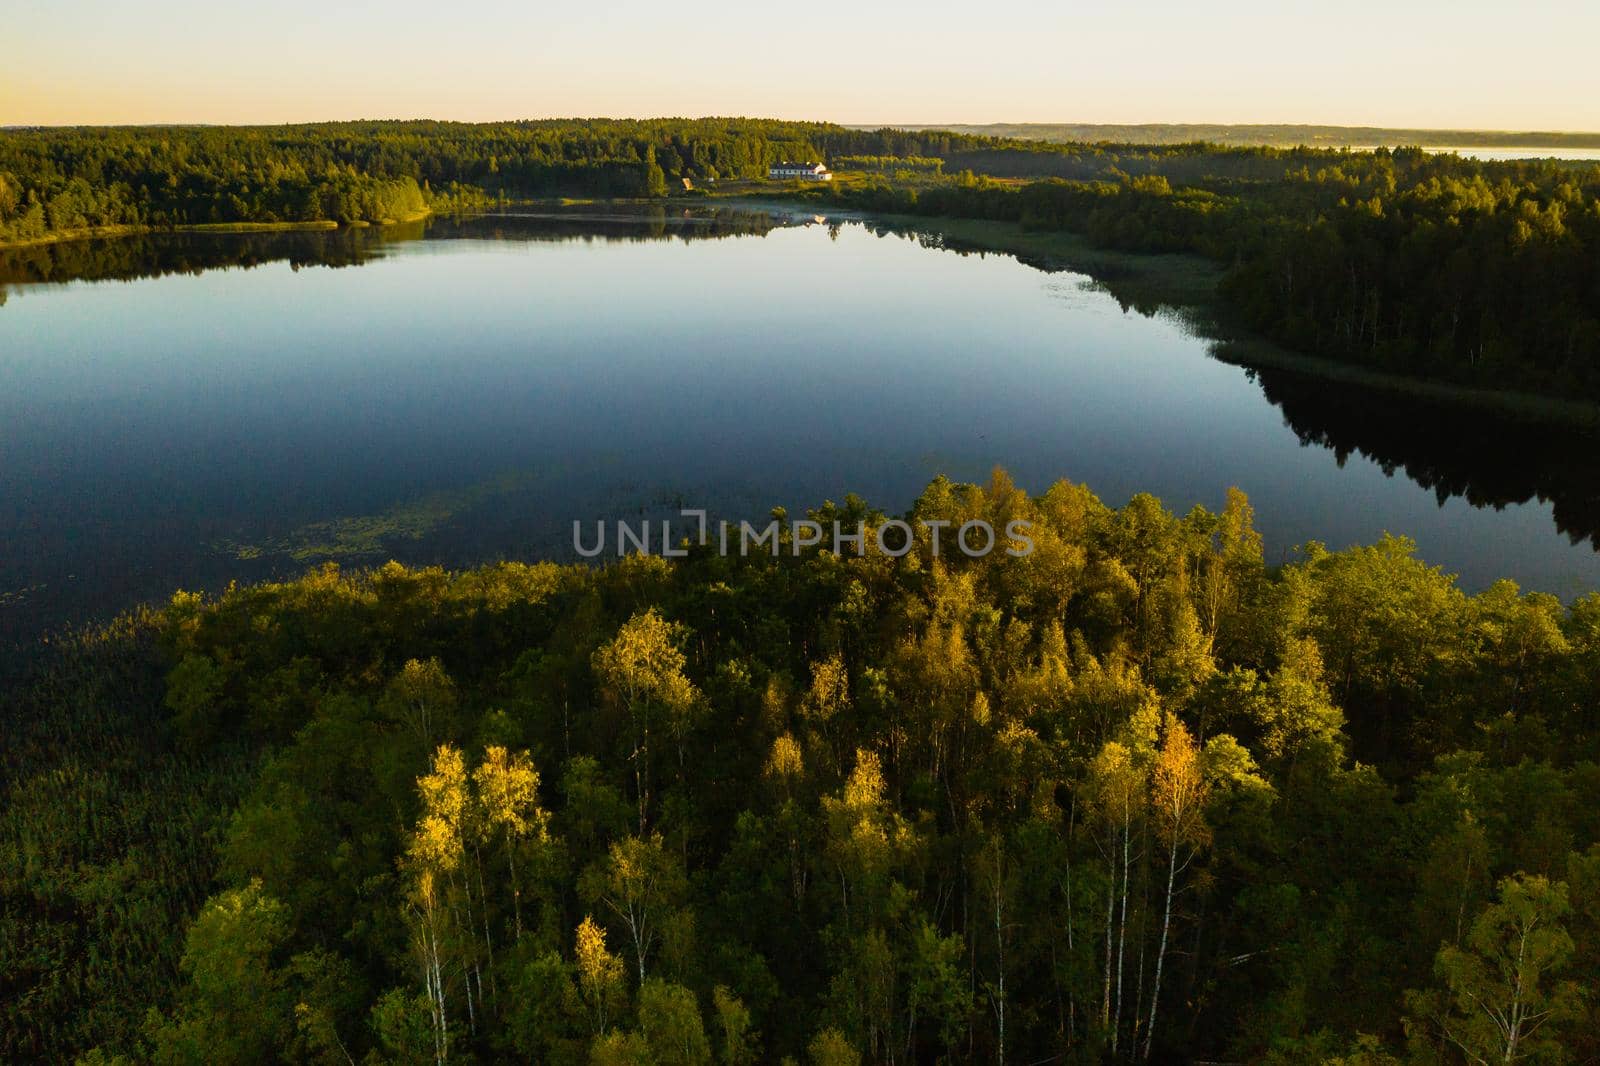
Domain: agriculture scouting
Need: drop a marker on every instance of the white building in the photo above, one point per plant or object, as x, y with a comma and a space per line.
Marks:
803, 171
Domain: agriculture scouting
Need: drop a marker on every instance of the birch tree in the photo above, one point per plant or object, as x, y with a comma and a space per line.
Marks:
865, 834
600, 980
422, 698
642, 667
1500, 1002
641, 882
1177, 804
508, 800
1117, 790
432, 858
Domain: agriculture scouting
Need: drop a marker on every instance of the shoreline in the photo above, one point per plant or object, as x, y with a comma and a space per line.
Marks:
106, 232
1182, 282
1187, 284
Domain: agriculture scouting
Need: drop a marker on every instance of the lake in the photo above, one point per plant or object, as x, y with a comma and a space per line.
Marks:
197, 408
1500, 153
1573, 155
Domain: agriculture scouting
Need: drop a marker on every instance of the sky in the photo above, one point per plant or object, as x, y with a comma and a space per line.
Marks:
1467, 64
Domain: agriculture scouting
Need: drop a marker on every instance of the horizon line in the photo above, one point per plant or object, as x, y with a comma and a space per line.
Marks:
910, 126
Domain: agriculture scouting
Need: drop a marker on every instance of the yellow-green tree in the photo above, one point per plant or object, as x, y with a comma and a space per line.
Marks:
1177, 805
1117, 793
669, 1017
643, 884
740, 1043
422, 698
236, 1008
830, 1047
642, 668
825, 706
1502, 1001
600, 981
508, 801
433, 857
865, 835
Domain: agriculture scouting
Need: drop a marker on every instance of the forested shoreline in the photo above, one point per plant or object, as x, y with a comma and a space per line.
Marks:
1135, 796
62, 180
1433, 266
1405, 262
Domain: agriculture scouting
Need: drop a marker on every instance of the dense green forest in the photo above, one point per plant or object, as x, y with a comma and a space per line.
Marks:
1135, 796
64, 180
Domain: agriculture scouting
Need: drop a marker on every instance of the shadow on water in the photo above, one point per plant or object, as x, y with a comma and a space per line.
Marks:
1487, 459
154, 255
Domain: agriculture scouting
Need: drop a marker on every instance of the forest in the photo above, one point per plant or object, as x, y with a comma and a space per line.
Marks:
1137, 796
61, 181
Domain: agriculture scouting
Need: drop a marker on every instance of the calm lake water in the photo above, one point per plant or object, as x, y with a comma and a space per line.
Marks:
463, 391
1491, 154
1511, 153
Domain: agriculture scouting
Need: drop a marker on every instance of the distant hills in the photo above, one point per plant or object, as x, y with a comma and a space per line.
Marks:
1284, 136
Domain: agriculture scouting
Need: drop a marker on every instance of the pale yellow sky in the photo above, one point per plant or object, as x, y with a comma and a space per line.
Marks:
1469, 64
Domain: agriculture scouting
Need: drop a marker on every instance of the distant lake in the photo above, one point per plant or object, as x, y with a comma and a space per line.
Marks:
1502, 154
1573, 154
463, 391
